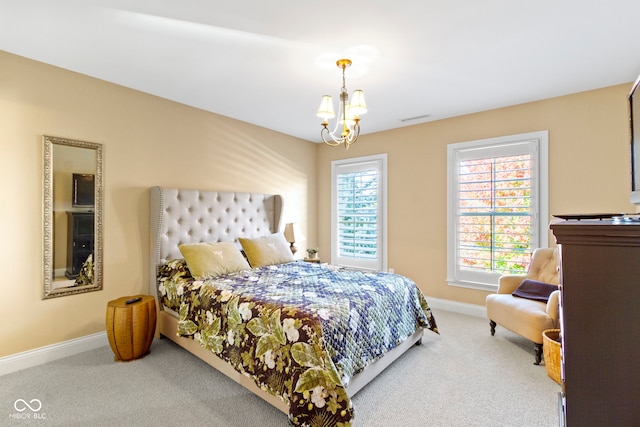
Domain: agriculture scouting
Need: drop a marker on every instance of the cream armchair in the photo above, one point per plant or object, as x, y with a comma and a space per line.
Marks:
526, 317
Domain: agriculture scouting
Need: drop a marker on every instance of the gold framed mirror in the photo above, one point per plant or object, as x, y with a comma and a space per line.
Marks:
72, 217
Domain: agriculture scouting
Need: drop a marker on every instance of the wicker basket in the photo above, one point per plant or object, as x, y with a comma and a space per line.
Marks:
551, 346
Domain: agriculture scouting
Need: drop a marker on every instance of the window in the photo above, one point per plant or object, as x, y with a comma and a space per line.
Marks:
358, 212
497, 207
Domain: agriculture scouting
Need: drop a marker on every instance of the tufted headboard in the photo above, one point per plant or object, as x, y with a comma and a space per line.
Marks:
190, 216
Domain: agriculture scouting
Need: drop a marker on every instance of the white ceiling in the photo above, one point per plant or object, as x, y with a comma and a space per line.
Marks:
269, 62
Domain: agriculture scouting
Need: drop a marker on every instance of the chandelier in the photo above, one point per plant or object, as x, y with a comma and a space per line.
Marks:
347, 126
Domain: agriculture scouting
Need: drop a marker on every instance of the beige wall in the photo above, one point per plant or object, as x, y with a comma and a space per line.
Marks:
147, 141
588, 172
150, 141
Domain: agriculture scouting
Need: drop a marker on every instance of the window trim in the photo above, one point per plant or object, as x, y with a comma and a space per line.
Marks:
381, 160
540, 170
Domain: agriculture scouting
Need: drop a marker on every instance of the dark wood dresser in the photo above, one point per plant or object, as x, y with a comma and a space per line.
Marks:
80, 241
600, 322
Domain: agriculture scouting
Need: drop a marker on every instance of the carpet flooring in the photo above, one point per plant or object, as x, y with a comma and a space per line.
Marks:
462, 377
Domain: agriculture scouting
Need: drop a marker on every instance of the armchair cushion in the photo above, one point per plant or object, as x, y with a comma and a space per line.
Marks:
525, 317
535, 290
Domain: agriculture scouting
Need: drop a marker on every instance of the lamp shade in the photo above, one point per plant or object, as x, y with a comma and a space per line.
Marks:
326, 108
291, 232
358, 106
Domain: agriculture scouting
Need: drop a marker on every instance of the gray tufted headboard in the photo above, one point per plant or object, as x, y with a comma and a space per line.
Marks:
190, 216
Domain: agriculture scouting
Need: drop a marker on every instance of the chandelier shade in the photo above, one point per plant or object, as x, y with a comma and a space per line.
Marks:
326, 108
358, 106
347, 126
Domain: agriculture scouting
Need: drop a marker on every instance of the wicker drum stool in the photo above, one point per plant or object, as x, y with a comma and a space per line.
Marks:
131, 324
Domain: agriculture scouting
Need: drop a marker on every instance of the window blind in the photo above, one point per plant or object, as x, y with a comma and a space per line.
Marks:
357, 210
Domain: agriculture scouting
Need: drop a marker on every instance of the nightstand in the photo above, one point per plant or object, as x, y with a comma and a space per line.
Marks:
316, 260
131, 325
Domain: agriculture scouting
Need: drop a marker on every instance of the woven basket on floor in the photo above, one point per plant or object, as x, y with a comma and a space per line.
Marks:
551, 346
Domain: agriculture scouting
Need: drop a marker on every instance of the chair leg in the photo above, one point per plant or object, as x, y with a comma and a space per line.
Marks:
538, 351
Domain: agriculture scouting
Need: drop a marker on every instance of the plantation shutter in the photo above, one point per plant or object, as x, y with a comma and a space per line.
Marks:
494, 223
495, 208
357, 214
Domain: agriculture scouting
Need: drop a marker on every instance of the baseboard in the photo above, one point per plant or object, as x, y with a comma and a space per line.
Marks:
457, 307
49, 353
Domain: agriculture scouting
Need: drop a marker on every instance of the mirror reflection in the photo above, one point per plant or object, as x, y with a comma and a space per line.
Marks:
72, 209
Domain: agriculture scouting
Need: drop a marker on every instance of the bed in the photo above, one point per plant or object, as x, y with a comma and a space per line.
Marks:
305, 337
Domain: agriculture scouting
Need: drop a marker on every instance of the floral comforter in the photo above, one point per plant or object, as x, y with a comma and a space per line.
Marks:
300, 330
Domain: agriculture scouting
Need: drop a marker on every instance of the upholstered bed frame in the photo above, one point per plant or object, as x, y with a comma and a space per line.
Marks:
189, 216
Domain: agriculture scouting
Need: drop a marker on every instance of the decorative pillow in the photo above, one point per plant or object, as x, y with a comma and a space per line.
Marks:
267, 250
173, 276
532, 289
85, 276
213, 259
174, 270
